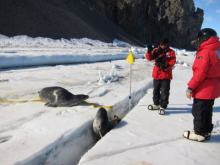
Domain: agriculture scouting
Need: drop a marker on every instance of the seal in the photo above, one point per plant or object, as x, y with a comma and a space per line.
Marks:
60, 97
101, 123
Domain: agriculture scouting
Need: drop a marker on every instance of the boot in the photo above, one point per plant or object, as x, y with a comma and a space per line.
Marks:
208, 136
153, 107
193, 136
161, 111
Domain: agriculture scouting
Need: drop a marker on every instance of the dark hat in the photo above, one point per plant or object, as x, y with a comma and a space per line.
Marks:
164, 41
207, 32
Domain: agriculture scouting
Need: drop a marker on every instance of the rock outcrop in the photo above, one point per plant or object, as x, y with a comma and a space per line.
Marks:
127, 20
58, 19
149, 20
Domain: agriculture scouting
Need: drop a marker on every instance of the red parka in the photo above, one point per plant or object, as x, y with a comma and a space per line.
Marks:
169, 59
205, 82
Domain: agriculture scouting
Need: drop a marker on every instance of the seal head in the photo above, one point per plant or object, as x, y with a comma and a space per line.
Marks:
101, 123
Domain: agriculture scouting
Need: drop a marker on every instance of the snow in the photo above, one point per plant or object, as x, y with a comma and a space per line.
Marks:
31, 133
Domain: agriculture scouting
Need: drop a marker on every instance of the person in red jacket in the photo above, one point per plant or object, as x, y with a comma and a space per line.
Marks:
204, 86
164, 58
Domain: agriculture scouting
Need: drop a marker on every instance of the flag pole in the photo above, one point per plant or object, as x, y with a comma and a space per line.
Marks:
130, 91
131, 60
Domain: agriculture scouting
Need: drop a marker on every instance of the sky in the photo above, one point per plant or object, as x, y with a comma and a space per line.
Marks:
31, 133
211, 13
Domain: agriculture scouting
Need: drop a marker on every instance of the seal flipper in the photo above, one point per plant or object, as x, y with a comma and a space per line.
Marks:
52, 102
49, 104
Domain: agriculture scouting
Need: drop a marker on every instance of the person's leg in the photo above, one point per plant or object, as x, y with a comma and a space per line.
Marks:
202, 113
198, 118
208, 115
165, 92
156, 91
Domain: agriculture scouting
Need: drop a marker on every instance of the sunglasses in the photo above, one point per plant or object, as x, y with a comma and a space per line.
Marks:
163, 44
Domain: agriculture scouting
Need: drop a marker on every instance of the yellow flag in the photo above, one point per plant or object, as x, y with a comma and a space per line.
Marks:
130, 58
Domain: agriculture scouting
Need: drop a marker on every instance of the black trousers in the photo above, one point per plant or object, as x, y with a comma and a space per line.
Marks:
161, 92
202, 113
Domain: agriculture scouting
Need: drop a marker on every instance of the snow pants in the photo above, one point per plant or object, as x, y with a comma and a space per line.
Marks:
202, 113
161, 92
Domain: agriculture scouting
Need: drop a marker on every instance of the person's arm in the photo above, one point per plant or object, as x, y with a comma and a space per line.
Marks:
171, 62
200, 68
153, 54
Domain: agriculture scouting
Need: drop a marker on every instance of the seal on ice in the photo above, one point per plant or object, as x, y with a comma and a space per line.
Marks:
60, 97
101, 123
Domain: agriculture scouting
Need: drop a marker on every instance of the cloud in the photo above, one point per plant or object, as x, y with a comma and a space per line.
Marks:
218, 11
207, 2
209, 19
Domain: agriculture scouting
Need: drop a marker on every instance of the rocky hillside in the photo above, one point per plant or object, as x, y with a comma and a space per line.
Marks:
58, 19
105, 20
149, 20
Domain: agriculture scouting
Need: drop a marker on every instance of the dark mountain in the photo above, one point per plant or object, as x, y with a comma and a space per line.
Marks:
149, 20
127, 20
58, 19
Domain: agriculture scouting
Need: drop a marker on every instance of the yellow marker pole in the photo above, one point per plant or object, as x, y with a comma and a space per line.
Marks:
131, 60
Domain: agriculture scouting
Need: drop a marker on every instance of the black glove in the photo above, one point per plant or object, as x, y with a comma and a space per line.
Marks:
149, 48
164, 66
160, 51
157, 53
155, 46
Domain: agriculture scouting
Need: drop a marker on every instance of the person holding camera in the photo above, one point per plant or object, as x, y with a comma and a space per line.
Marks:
164, 58
204, 86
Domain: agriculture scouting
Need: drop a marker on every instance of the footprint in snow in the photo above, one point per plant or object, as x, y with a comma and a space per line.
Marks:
98, 92
66, 112
5, 139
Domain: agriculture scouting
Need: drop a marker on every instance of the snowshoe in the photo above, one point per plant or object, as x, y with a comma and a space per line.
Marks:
208, 136
193, 136
153, 107
161, 111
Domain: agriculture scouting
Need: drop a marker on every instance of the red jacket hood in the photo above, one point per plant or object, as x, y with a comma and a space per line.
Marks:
211, 44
